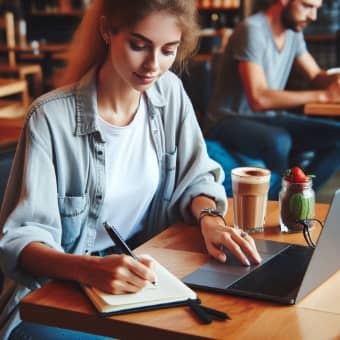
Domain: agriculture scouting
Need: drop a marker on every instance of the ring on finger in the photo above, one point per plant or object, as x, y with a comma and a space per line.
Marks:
243, 234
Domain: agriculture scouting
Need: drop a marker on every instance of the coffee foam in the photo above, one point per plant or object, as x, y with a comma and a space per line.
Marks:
250, 175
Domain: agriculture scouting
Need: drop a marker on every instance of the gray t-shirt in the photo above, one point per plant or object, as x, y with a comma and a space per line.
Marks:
253, 41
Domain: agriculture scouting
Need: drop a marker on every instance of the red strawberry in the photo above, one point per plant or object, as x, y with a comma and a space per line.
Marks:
296, 174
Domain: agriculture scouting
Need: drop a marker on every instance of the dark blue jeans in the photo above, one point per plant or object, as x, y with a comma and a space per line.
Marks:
32, 331
278, 139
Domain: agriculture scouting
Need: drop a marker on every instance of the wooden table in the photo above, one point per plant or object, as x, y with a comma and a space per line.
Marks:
181, 250
321, 37
46, 51
322, 109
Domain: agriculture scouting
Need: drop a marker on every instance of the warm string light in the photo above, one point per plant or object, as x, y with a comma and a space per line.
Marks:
228, 4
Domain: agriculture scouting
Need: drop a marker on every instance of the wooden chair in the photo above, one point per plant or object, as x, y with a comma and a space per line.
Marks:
13, 107
337, 44
11, 67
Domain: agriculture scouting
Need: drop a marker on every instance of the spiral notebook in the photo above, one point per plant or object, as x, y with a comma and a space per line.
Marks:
167, 292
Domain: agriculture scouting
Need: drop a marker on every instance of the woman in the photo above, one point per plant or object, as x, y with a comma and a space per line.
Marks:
120, 144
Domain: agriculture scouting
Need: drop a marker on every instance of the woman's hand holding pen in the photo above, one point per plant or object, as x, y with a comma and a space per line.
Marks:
216, 235
118, 274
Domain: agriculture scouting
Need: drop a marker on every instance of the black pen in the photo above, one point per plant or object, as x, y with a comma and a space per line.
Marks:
118, 240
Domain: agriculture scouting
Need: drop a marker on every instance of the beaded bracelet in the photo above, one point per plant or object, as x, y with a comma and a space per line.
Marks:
210, 212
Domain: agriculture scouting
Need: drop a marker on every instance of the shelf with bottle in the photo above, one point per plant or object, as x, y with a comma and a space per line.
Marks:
217, 19
58, 7
73, 13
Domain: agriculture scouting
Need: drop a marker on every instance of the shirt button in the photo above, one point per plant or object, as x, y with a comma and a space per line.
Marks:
100, 152
99, 197
86, 251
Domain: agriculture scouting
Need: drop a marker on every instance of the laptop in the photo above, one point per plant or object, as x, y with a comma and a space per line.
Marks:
287, 273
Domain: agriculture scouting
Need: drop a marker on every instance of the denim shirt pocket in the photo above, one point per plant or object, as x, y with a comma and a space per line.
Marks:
74, 213
170, 160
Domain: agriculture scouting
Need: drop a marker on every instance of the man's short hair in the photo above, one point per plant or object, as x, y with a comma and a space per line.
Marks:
261, 5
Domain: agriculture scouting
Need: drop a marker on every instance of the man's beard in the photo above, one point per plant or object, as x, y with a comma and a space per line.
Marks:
289, 23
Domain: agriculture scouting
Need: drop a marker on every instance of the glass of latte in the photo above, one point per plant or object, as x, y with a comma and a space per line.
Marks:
250, 193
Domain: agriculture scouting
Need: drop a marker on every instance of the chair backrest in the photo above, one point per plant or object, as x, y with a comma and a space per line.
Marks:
7, 25
6, 157
7, 153
8, 88
338, 48
198, 83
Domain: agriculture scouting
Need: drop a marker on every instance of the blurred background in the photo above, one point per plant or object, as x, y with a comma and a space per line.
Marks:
35, 37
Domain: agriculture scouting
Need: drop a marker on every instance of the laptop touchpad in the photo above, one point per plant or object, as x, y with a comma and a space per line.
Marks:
221, 275
210, 278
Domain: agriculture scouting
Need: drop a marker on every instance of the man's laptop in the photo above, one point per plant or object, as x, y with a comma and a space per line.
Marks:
287, 273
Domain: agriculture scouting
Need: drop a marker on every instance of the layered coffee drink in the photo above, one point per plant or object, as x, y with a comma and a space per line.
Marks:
250, 192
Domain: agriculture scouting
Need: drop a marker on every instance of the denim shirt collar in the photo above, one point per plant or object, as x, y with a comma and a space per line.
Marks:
86, 102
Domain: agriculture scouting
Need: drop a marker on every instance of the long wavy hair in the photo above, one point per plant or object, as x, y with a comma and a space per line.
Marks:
88, 48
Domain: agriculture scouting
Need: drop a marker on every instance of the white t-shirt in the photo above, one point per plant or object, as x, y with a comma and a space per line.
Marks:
132, 176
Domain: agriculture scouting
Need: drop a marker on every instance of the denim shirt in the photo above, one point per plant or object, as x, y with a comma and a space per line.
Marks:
57, 182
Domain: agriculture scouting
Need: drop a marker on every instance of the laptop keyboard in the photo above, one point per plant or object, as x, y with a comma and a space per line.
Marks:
286, 271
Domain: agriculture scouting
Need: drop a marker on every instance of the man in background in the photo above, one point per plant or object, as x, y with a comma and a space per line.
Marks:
251, 104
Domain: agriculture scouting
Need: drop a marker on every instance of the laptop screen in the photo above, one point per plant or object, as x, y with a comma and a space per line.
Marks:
326, 257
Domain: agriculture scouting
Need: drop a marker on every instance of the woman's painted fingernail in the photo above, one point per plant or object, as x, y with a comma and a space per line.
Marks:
246, 262
222, 257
